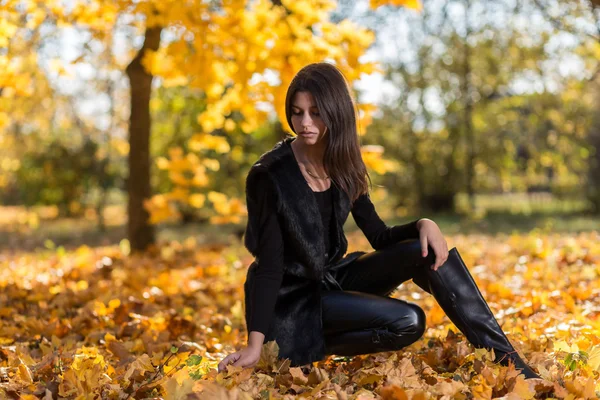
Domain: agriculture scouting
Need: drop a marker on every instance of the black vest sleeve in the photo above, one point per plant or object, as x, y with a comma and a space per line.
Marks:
376, 231
269, 272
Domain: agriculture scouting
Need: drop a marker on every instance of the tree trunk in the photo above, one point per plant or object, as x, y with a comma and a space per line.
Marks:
139, 231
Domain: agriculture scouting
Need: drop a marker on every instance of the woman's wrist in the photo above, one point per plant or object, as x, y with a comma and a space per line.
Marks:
420, 222
256, 339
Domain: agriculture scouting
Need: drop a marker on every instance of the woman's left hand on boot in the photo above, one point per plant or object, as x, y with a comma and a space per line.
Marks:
430, 235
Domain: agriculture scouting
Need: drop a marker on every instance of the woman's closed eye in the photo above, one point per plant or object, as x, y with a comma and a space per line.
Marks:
316, 114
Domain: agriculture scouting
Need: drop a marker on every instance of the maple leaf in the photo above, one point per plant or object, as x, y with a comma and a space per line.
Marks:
213, 391
268, 357
522, 389
139, 367
177, 388
593, 358
298, 376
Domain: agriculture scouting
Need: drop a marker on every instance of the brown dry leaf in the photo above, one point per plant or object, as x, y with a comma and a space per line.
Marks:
393, 392
243, 375
404, 375
298, 376
176, 391
69, 385
317, 375
449, 389
369, 379
341, 395
268, 357
317, 390
540, 387
489, 375
522, 389
417, 394
139, 367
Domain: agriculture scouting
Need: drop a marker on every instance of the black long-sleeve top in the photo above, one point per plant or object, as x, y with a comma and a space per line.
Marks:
269, 274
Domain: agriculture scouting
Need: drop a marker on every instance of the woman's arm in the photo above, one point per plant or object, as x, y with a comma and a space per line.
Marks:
375, 230
268, 276
380, 235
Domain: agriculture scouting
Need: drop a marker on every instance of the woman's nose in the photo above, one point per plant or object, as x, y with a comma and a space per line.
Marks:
306, 121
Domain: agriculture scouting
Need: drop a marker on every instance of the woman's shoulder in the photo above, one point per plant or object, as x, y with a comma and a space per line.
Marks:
362, 200
273, 157
259, 183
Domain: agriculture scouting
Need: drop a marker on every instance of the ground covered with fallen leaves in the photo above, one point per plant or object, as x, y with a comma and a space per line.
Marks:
100, 323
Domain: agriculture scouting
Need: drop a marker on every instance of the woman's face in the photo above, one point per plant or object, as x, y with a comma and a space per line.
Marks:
306, 120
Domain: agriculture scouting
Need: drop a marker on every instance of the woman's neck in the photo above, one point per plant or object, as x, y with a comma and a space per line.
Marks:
311, 155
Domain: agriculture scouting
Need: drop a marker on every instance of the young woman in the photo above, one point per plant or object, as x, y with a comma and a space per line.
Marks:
303, 290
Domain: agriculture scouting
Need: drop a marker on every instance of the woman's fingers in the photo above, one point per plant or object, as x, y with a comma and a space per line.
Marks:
223, 363
441, 254
232, 358
424, 245
430, 235
237, 359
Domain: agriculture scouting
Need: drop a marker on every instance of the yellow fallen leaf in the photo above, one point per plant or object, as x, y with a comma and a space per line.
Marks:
522, 389
594, 357
370, 379
176, 391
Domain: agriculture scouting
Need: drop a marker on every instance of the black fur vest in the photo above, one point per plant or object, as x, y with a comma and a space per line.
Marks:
297, 323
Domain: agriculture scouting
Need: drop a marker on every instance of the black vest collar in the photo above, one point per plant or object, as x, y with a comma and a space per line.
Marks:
301, 212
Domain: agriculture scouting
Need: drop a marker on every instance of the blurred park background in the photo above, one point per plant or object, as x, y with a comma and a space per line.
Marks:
131, 125
482, 115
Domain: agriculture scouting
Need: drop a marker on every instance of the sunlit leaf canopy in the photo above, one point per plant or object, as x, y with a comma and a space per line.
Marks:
241, 55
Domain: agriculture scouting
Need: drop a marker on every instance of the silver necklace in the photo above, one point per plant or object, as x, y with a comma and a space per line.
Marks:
314, 176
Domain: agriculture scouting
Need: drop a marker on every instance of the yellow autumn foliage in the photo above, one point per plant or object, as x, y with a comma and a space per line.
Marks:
226, 51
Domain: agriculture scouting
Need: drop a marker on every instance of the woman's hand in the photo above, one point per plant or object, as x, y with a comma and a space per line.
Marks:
430, 235
247, 357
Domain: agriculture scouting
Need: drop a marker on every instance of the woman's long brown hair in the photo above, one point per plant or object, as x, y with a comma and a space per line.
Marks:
342, 159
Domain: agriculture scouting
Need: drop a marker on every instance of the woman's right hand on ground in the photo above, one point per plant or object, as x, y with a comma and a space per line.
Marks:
247, 357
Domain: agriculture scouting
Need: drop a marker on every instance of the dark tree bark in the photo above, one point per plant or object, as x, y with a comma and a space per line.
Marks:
139, 231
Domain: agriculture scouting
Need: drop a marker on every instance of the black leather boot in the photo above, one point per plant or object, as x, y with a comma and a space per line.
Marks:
457, 293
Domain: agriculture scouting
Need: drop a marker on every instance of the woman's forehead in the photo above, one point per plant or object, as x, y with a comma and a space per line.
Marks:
303, 99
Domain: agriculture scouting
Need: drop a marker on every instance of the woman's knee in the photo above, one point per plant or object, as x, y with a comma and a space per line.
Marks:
411, 323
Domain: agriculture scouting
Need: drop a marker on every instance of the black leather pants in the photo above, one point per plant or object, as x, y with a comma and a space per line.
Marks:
361, 319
